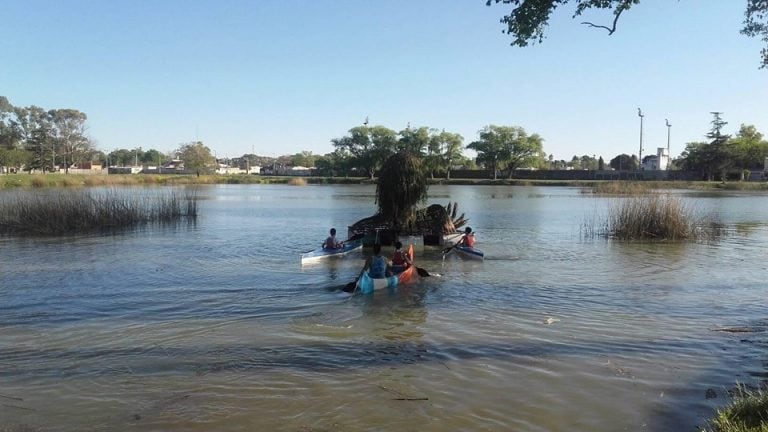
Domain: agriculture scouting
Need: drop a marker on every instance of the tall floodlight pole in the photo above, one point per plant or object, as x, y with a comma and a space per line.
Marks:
640, 154
669, 155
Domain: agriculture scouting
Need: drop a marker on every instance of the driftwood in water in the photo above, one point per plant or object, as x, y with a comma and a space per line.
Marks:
431, 222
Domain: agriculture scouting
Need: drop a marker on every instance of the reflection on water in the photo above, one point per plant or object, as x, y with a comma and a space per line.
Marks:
219, 326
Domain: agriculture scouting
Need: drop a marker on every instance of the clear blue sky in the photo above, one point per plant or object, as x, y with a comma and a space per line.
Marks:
281, 76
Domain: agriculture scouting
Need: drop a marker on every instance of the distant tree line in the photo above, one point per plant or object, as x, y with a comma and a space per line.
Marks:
724, 156
33, 138
39, 139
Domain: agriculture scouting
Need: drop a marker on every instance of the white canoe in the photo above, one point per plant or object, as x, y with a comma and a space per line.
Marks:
321, 253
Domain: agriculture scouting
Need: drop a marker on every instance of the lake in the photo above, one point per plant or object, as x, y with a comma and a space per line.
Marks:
217, 326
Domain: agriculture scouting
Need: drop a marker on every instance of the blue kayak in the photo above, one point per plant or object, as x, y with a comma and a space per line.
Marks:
321, 253
471, 252
367, 284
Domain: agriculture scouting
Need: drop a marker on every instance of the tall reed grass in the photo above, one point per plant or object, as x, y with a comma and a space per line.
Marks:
622, 188
65, 212
747, 412
297, 181
653, 217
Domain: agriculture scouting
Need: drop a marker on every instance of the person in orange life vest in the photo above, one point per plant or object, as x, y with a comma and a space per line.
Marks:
400, 260
331, 242
468, 239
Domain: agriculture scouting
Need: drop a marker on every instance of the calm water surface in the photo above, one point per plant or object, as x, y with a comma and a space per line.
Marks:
217, 326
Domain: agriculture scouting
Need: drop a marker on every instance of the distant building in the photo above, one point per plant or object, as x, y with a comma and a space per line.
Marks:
174, 164
657, 162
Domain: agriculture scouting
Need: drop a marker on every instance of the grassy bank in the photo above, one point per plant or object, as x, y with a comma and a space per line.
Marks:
608, 187
747, 412
77, 180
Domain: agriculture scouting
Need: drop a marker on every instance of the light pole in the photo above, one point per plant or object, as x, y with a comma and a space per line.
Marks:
640, 154
669, 155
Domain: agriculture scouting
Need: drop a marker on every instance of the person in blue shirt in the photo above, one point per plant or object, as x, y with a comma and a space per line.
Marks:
378, 266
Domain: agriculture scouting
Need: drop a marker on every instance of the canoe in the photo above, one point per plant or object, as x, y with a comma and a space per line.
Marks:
321, 253
409, 273
367, 285
470, 252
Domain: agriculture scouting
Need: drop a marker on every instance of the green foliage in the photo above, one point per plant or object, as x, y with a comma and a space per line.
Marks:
747, 150
69, 135
14, 157
624, 162
415, 141
747, 412
368, 147
401, 185
153, 157
333, 164
305, 159
506, 147
448, 146
53, 138
528, 19
197, 157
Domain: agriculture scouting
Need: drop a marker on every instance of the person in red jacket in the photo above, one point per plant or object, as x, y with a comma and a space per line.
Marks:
400, 259
468, 239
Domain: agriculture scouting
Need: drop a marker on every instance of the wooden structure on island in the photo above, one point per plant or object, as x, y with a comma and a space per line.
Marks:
434, 224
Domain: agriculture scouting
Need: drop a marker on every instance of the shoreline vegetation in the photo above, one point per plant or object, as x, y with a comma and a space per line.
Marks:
747, 411
654, 217
79, 211
604, 187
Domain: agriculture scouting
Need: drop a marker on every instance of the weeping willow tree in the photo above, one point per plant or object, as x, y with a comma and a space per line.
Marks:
401, 186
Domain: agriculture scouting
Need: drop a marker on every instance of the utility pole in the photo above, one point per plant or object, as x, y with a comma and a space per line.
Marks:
669, 155
640, 154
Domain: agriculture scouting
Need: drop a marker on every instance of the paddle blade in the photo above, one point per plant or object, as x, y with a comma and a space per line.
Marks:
350, 287
422, 272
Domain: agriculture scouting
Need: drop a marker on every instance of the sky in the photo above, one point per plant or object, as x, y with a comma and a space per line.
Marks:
276, 77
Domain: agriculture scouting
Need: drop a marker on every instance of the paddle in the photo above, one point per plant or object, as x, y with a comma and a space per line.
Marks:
450, 248
350, 287
422, 272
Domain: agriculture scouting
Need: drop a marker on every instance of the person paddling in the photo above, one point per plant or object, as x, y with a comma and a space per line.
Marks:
331, 242
400, 260
468, 239
377, 265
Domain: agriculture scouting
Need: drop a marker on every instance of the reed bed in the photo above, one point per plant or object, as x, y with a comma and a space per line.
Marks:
297, 181
622, 188
653, 217
77, 211
747, 412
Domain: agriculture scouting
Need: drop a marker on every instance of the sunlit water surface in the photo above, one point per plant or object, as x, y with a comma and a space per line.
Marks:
217, 326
